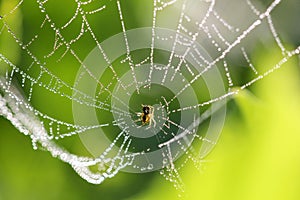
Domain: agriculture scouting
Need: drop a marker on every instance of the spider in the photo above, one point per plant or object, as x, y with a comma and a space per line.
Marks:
147, 116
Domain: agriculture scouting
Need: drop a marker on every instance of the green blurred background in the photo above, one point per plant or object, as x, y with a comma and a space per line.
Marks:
257, 156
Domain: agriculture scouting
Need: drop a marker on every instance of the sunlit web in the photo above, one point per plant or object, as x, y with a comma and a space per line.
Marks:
104, 60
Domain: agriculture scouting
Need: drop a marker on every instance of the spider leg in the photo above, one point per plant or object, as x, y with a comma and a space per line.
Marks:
137, 120
152, 118
139, 126
154, 122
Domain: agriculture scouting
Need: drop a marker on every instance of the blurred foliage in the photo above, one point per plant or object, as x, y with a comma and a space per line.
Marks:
7, 43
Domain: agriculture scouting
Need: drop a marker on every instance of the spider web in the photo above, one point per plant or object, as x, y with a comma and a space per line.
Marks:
185, 58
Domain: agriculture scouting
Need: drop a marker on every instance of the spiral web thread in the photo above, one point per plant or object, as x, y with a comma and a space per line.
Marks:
45, 130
